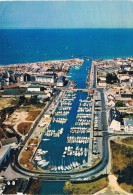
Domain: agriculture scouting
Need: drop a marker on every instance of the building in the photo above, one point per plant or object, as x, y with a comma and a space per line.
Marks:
4, 154
12, 92
102, 83
114, 120
47, 78
111, 103
35, 88
9, 141
127, 96
128, 125
41, 94
14, 86
111, 97
60, 81
24, 77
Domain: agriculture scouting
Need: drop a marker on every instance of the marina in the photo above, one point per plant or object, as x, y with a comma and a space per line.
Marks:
65, 143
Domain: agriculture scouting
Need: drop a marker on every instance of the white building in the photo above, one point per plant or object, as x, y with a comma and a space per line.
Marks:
102, 79
60, 81
102, 83
47, 78
111, 97
128, 124
35, 88
114, 120
115, 126
111, 103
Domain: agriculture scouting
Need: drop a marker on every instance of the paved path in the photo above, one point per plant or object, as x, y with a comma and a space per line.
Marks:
113, 188
10, 174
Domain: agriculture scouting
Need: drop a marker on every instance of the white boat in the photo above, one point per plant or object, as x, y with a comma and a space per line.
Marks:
46, 139
45, 164
41, 162
44, 151
38, 158
59, 168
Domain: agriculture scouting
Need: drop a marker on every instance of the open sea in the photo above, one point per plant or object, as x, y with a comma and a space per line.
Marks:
17, 46
21, 46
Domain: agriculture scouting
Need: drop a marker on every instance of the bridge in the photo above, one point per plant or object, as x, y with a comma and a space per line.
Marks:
77, 89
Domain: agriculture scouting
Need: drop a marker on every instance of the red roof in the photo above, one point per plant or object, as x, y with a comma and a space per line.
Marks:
11, 87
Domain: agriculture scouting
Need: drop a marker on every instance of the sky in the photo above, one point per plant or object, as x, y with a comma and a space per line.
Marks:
66, 14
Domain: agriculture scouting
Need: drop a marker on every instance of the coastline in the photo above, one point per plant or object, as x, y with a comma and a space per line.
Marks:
44, 62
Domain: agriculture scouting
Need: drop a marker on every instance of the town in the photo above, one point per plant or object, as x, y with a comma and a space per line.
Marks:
35, 95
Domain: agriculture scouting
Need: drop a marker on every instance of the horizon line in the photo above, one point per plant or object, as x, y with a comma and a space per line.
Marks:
41, 28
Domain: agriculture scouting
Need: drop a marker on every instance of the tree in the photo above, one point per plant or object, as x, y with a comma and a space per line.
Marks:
22, 99
33, 99
111, 78
119, 104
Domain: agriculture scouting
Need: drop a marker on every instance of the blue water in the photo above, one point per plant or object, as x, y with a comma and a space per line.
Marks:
18, 46
54, 187
56, 146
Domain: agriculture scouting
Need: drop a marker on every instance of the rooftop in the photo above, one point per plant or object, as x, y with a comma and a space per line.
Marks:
12, 92
3, 151
9, 141
128, 122
45, 76
35, 86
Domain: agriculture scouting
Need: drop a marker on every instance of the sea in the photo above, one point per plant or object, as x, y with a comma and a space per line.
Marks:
36, 45
30, 45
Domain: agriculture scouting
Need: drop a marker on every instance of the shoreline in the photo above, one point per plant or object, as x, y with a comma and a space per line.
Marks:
67, 59
41, 62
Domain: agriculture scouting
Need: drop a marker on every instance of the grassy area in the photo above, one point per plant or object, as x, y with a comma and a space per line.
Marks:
32, 115
24, 127
86, 188
6, 102
34, 187
122, 162
128, 141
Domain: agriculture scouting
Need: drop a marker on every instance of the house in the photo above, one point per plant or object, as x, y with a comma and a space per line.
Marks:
111, 103
128, 124
129, 103
60, 81
35, 88
114, 120
102, 83
111, 97
47, 78
115, 91
123, 78
102, 78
